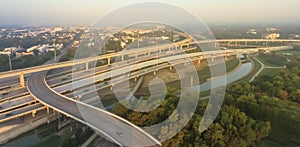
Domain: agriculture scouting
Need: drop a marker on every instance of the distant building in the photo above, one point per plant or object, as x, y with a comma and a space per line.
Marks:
273, 29
271, 35
14, 49
252, 31
43, 48
32, 48
58, 29
5, 53
160, 27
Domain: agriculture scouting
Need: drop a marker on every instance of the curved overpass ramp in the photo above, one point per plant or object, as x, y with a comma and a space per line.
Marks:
111, 126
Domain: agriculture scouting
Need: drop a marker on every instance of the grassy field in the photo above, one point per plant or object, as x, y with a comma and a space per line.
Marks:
272, 60
289, 52
269, 72
231, 65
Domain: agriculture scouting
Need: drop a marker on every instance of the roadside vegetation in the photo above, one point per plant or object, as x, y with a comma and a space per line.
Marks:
265, 112
25, 61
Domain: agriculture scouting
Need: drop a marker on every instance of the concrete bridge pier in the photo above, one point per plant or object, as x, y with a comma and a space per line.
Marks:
212, 58
48, 110
22, 80
171, 67
215, 44
237, 56
228, 44
122, 58
108, 60
58, 118
86, 65
225, 57
33, 113
199, 60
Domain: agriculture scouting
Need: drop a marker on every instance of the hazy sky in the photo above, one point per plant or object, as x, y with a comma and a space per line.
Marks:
211, 11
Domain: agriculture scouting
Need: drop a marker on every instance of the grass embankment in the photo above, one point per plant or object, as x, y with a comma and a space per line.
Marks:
272, 59
255, 68
232, 65
269, 72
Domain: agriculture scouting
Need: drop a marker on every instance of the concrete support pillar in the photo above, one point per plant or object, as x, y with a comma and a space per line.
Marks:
212, 58
22, 80
86, 65
135, 79
149, 52
59, 125
226, 56
154, 73
181, 47
111, 87
216, 44
199, 60
192, 80
136, 55
171, 67
122, 58
33, 113
236, 43
108, 60
228, 44
48, 110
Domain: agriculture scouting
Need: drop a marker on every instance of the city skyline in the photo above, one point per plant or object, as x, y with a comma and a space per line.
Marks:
67, 12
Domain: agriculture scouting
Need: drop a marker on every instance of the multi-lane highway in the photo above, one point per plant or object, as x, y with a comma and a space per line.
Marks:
118, 130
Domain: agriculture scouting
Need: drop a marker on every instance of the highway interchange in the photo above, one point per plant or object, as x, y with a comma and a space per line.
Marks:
49, 81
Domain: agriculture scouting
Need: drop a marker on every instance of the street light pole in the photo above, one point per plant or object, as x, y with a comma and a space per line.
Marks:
55, 60
55, 54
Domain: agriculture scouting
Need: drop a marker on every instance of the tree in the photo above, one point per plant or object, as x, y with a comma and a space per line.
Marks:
283, 94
